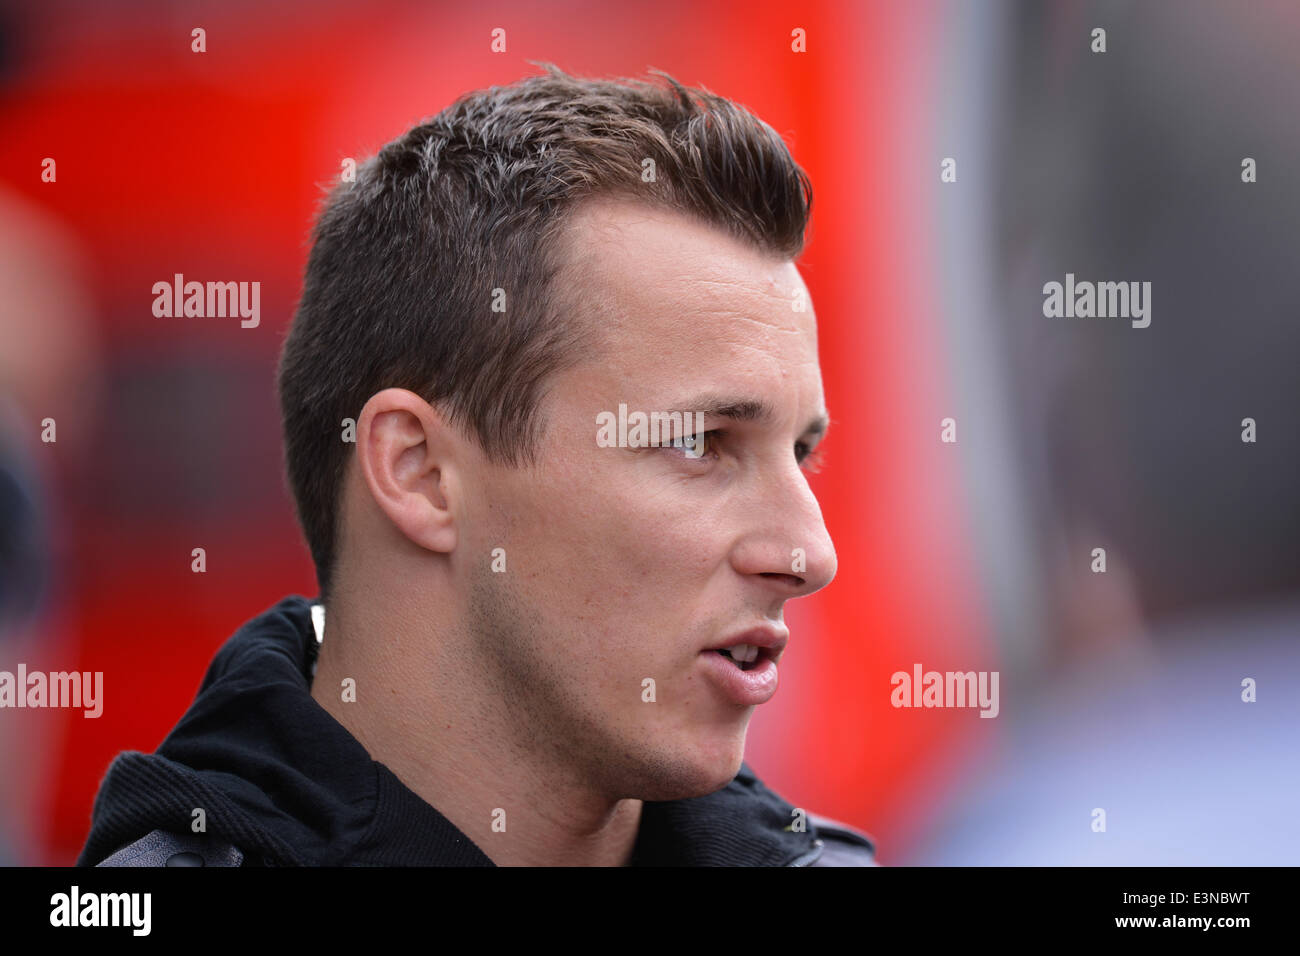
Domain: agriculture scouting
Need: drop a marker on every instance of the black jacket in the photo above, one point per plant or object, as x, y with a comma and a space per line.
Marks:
280, 782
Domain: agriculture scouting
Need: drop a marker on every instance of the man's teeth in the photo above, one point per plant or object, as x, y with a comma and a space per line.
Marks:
744, 653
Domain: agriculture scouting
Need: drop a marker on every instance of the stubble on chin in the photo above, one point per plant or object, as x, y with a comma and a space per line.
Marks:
551, 714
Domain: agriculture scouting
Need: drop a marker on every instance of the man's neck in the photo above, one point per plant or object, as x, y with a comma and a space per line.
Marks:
453, 744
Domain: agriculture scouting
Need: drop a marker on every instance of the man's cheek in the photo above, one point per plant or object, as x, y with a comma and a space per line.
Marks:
622, 661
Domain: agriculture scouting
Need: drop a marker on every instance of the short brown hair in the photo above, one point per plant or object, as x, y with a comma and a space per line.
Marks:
399, 285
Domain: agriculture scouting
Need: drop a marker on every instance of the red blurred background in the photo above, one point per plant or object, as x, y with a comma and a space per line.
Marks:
208, 164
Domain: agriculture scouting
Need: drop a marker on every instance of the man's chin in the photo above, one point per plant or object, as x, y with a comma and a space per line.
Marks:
685, 775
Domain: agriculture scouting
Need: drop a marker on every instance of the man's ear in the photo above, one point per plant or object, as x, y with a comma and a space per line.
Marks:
405, 450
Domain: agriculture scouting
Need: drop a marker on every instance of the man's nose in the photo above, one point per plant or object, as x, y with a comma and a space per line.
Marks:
788, 545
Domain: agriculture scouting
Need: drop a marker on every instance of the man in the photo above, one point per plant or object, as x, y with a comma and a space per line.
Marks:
542, 628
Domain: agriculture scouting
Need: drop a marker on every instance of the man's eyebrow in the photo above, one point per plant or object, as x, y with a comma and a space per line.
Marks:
739, 409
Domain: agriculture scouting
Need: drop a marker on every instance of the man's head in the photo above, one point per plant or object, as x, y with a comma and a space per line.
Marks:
494, 283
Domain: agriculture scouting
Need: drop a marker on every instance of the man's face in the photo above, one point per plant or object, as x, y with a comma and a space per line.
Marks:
630, 565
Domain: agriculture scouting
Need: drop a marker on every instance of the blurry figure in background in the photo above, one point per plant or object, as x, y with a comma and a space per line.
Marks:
1173, 716
48, 369
24, 567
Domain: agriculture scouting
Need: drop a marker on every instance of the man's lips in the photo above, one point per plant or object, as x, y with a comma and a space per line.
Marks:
743, 666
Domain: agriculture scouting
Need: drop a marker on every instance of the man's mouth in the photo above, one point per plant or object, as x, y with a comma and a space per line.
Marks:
744, 656
746, 673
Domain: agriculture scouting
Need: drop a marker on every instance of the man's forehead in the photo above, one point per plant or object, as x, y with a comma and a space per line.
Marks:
616, 231
685, 312
641, 269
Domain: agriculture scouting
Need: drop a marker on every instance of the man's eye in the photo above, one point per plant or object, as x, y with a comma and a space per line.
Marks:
694, 447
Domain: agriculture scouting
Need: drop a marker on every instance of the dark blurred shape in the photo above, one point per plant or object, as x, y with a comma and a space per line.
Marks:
8, 44
1126, 166
24, 542
48, 370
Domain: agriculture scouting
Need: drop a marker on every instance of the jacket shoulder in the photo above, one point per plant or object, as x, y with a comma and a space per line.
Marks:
842, 845
164, 848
